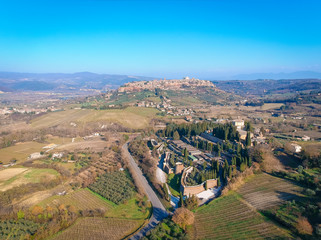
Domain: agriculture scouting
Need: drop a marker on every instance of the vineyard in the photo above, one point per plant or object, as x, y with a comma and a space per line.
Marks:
99, 228
116, 187
82, 199
230, 218
265, 191
17, 229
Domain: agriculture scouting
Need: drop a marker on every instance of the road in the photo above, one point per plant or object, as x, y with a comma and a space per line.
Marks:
159, 212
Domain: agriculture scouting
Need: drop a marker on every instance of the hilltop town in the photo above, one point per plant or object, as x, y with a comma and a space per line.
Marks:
163, 84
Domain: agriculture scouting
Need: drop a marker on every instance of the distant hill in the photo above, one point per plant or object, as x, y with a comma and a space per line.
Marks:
266, 87
276, 76
12, 81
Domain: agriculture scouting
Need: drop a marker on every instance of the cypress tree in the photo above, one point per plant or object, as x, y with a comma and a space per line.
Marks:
248, 139
181, 200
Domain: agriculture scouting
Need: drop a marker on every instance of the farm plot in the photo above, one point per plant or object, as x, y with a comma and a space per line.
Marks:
99, 228
132, 117
20, 151
82, 199
230, 218
27, 175
265, 191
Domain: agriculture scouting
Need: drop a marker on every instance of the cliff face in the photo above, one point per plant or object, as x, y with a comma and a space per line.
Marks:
166, 84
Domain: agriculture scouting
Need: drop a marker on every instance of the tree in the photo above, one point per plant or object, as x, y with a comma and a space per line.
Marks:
183, 217
218, 182
191, 202
181, 200
176, 136
165, 192
37, 210
248, 139
205, 185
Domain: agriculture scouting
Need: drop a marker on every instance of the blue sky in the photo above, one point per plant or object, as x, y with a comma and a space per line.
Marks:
165, 38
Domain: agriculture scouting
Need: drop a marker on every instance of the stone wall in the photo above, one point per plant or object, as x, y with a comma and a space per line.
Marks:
192, 190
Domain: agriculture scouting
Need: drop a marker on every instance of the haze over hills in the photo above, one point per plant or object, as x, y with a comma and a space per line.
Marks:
13, 81
277, 76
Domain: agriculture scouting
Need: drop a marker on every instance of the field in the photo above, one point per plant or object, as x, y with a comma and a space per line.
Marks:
10, 173
81, 200
265, 191
20, 151
99, 228
85, 199
235, 215
20, 176
229, 218
131, 117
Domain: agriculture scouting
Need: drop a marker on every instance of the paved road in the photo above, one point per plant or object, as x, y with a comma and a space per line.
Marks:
159, 212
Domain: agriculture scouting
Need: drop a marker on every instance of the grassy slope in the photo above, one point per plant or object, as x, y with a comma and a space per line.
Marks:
32, 175
132, 117
236, 216
174, 183
20, 151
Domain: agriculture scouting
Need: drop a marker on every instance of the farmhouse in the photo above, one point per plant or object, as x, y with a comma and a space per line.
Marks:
295, 148
35, 155
239, 124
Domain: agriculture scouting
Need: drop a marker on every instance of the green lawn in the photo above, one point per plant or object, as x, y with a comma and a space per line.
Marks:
174, 183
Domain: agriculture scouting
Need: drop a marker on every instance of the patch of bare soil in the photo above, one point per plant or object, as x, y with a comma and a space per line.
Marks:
6, 174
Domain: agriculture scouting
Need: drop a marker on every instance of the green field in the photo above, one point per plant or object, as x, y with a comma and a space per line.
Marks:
26, 175
99, 228
174, 184
84, 199
81, 199
237, 216
265, 191
132, 117
229, 218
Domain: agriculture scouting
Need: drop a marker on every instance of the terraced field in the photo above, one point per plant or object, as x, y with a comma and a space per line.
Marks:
235, 216
99, 228
82, 199
265, 191
230, 218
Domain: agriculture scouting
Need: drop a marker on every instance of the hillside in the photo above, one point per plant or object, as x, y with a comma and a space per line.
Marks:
265, 87
11, 81
237, 215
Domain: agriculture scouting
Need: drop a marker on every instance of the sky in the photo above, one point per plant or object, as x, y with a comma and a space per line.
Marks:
204, 38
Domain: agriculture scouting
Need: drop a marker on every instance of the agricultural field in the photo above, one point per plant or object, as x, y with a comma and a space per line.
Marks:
13, 177
20, 151
84, 199
131, 117
265, 191
230, 218
115, 187
99, 228
81, 199
236, 215
58, 118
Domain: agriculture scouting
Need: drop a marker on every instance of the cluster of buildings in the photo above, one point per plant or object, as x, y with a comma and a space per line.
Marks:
10, 110
165, 84
166, 107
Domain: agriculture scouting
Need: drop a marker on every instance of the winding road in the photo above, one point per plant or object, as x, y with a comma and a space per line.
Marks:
159, 211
